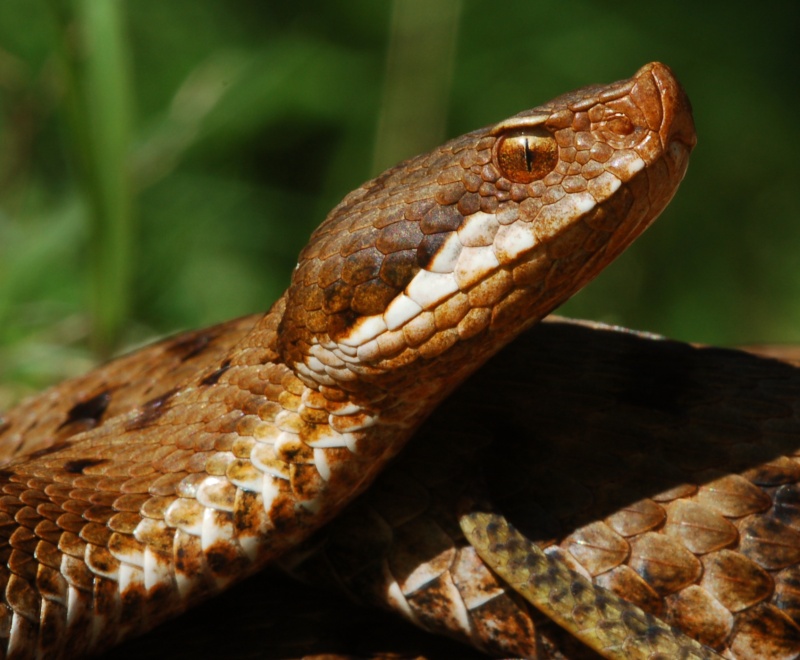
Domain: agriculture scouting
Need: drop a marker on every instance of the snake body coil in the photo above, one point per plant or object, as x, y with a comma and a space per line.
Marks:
116, 514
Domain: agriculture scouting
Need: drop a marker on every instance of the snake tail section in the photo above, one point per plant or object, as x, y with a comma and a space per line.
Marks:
612, 626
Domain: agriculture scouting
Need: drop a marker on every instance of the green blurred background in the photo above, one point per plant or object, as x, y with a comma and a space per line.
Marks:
161, 163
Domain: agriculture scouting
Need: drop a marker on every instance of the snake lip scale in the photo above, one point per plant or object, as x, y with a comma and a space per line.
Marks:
123, 504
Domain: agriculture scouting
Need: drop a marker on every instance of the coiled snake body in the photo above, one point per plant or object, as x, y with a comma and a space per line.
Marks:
136, 491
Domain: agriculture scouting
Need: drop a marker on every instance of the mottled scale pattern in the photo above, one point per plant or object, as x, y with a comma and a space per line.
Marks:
602, 619
167, 476
85, 402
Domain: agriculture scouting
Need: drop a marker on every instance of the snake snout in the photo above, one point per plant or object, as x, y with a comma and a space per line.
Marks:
677, 124
673, 122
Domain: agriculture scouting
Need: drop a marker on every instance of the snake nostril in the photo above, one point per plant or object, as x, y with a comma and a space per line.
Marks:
620, 125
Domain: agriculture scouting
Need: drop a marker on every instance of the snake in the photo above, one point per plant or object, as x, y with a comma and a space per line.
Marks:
157, 481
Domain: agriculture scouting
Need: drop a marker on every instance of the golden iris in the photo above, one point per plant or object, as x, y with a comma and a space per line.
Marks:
528, 156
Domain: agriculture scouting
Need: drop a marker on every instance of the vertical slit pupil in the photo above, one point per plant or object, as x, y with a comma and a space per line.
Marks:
528, 156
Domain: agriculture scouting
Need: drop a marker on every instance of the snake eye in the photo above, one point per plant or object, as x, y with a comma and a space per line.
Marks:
526, 157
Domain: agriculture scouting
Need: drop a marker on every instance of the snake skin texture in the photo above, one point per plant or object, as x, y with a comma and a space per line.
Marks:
120, 512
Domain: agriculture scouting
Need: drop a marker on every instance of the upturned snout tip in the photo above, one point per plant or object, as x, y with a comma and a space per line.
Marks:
677, 123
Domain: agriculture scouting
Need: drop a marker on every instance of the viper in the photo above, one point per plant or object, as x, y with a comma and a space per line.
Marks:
162, 478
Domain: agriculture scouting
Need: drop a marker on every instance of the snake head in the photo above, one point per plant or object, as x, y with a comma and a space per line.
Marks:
445, 257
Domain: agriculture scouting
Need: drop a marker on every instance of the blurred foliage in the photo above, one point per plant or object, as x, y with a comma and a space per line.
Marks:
218, 135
